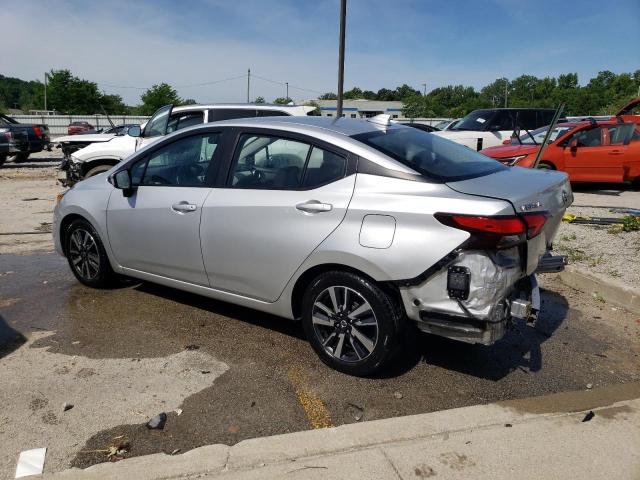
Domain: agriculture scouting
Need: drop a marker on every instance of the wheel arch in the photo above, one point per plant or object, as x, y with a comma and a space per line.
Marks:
64, 225
305, 279
552, 165
91, 164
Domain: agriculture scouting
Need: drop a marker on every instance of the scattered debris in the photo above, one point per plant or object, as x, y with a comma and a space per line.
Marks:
467, 442
204, 372
31, 462
192, 347
589, 416
30, 200
589, 386
76, 342
602, 355
253, 404
508, 425
359, 411
173, 452
117, 451
178, 411
157, 422
233, 429
67, 406
2, 274
398, 395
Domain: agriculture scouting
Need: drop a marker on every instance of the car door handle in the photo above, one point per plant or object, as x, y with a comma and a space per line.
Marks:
615, 152
314, 206
183, 207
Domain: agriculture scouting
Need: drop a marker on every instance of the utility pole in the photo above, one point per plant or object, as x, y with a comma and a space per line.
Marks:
45, 91
506, 91
424, 86
343, 16
248, 83
287, 97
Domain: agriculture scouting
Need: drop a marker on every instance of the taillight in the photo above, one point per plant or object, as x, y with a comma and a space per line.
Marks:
501, 231
535, 221
37, 131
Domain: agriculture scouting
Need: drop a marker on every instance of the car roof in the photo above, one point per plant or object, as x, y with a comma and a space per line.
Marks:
239, 106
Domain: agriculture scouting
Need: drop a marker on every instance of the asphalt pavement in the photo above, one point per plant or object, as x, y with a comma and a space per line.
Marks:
224, 374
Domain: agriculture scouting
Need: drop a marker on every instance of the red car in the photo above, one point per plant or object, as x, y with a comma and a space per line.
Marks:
589, 151
79, 127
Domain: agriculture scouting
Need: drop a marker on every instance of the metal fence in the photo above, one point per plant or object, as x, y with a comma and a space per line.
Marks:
58, 123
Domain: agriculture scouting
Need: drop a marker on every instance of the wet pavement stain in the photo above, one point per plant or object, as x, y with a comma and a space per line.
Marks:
568, 349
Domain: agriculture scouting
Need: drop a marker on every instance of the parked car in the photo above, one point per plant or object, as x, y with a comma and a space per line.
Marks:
490, 127
101, 153
447, 124
78, 127
359, 228
420, 126
72, 143
590, 151
21, 139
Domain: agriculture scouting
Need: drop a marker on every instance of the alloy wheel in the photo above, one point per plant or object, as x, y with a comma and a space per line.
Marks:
84, 254
344, 323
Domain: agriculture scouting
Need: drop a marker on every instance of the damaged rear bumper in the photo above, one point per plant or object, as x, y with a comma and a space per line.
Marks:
497, 291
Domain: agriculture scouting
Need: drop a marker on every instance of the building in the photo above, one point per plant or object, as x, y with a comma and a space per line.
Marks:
360, 108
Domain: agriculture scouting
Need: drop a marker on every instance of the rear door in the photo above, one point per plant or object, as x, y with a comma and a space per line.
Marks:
283, 196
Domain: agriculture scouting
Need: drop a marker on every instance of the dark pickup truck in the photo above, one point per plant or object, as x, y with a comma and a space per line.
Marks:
21, 139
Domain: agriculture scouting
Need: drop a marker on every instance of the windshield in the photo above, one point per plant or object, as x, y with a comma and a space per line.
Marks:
537, 136
475, 121
430, 155
4, 120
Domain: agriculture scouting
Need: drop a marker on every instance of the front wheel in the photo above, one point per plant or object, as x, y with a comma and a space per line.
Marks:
3, 158
86, 255
350, 322
21, 157
97, 170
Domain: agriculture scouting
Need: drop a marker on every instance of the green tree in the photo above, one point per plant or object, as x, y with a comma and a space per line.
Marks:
158, 96
354, 94
188, 101
259, 100
282, 100
328, 96
69, 94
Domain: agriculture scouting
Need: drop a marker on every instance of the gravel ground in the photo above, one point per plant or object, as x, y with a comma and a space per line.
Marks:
601, 249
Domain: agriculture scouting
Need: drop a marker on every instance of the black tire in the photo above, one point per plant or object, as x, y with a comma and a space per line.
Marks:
3, 158
545, 166
21, 157
365, 348
97, 170
86, 255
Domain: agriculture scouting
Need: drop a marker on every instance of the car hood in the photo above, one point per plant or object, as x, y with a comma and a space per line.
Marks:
94, 137
505, 151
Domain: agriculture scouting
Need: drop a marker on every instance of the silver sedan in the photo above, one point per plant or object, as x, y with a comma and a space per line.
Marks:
361, 229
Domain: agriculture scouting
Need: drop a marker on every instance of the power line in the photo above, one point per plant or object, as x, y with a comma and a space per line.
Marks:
213, 82
285, 83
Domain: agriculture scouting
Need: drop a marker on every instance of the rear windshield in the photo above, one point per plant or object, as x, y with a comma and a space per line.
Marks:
433, 156
476, 121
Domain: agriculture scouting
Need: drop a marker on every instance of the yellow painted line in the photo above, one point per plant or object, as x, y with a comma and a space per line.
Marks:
315, 409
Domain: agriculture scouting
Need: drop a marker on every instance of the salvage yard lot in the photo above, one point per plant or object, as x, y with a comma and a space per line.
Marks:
121, 356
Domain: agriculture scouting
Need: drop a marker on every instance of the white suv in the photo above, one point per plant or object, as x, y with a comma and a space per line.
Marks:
99, 157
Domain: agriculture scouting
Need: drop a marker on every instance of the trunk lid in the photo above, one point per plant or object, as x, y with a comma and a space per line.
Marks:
528, 191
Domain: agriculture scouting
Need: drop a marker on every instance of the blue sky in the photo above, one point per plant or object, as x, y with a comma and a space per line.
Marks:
389, 42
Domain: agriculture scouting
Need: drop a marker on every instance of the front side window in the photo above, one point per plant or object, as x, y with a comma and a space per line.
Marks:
184, 163
433, 156
591, 137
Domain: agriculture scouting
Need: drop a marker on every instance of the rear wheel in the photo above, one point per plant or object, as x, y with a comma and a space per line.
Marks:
3, 158
350, 322
97, 170
21, 157
86, 255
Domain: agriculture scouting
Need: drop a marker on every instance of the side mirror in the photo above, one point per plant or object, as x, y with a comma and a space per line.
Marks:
122, 181
508, 141
573, 144
134, 131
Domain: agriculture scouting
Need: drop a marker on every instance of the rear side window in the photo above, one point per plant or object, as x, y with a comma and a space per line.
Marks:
528, 120
217, 114
179, 121
275, 163
434, 157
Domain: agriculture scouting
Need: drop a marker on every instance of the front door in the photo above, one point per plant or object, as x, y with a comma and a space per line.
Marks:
283, 198
157, 230
596, 154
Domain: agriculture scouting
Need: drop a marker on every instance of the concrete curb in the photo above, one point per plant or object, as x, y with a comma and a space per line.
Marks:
610, 289
363, 441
